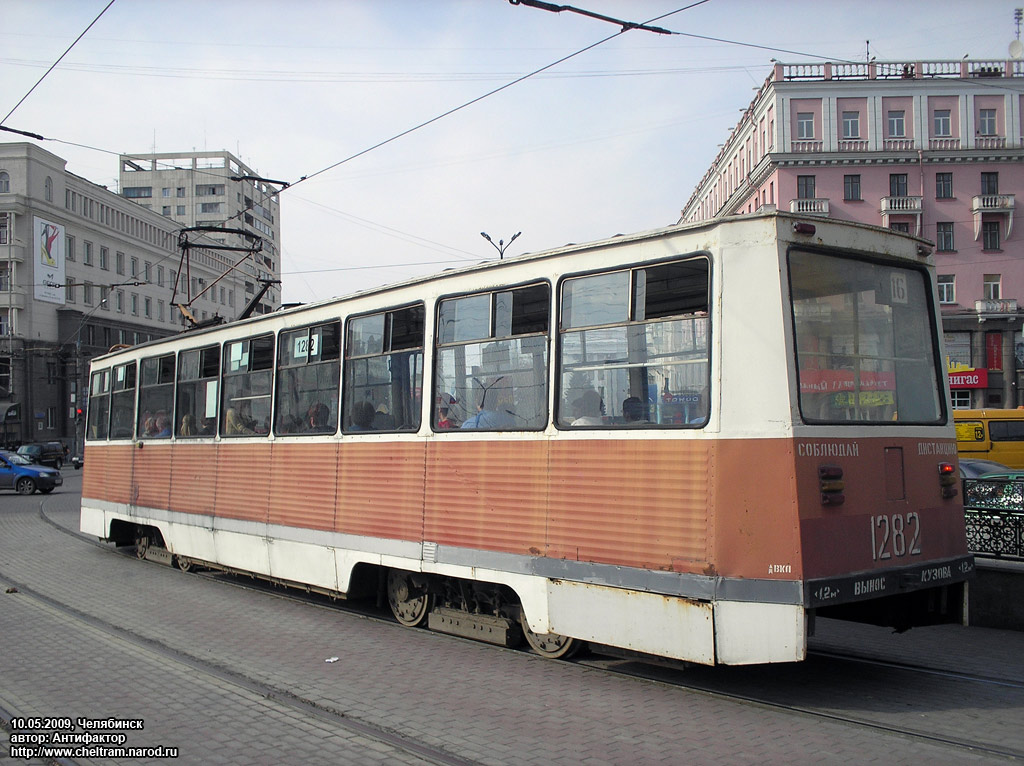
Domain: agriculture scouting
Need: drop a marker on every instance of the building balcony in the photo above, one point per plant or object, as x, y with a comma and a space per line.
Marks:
995, 309
901, 206
806, 147
993, 204
853, 145
898, 144
809, 206
11, 299
943, 144
989, 142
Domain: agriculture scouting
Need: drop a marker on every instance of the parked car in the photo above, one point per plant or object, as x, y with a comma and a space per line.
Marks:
22, 475
971, 468
47, 453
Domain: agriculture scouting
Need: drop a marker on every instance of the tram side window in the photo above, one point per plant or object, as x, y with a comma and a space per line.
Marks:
156, 397
248, 375
196, 405
492, 361
384, 371
122, 402
99, 405
635, 348
308, 373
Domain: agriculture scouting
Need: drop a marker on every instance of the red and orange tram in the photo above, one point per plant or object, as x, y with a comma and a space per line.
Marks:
685, 442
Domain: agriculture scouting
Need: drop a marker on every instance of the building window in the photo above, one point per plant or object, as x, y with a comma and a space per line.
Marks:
120, 301
897, 126
165, 210
69, 248
148, 307
990, 183
51, 418
851, 188
987, 122
48, 189
165, 192
135, 266
179, 210
991, 291
147, 271
805, 187
138, 192
897, 184
805, 125
69, 291
961, 399
5, 182
119, 258
210, 207
105, 259
135, 304
87, 293
901, 226
87, 253
851, 124
944, 236
944, 186
990, 235
179, 191
941, 125
105, 298
947, 288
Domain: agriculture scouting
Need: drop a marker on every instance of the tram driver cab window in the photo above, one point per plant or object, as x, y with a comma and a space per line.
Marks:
635, 348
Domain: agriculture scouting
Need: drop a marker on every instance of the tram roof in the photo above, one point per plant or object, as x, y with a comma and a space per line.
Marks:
488, 265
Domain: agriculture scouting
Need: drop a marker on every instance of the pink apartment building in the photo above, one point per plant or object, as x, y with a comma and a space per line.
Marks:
933, 148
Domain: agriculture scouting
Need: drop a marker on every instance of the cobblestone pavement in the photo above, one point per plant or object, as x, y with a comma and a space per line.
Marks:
230, 675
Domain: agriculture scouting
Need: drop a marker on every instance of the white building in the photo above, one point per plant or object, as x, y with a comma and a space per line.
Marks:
82, 269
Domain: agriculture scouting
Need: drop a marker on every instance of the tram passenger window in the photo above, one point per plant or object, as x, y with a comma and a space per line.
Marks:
122, 402
635, 348
248, 367
492, 361
196, 406
99, 405
383, 377
308, 372
156, 397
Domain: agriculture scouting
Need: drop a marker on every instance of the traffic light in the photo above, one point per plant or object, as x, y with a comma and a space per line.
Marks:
78, 414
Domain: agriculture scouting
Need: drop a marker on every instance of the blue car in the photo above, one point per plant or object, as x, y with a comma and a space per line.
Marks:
25, 477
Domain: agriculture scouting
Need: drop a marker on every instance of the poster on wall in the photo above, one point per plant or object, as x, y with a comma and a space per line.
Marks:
49, 261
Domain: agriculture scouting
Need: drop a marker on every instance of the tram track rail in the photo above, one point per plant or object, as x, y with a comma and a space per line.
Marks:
307, 707
647, 669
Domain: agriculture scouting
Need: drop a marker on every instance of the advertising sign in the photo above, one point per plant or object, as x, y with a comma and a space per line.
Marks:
49, 261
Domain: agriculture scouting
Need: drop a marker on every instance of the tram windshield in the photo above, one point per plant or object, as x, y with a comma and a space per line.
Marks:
865, 342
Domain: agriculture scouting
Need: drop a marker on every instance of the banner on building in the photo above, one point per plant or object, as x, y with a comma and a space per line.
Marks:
49, 261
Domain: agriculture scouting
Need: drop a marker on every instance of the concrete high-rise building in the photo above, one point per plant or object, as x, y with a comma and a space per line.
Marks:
212, 189
932, 148
83, 269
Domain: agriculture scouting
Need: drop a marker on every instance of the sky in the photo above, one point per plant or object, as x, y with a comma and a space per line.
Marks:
610, 141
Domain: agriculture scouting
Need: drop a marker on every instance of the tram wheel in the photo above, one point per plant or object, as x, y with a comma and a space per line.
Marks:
409, 609
185, 564
553, 646
141, 544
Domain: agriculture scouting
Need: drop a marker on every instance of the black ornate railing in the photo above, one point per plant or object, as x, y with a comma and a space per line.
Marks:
994, 511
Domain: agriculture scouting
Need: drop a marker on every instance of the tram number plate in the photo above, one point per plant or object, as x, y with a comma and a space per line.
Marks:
897, 535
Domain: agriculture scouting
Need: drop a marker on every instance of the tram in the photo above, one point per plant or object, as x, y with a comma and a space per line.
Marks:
687, 442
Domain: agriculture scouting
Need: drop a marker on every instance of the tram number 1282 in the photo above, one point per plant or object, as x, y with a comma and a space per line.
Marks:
896, 535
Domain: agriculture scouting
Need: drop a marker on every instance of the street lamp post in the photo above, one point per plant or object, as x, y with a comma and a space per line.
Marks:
501, 246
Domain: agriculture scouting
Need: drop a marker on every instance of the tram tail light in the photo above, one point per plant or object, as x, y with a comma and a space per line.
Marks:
948, 480
830, 479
